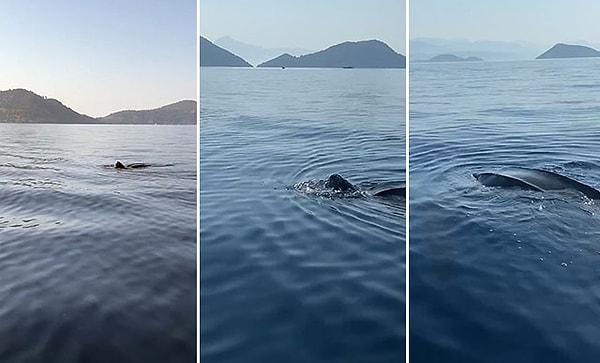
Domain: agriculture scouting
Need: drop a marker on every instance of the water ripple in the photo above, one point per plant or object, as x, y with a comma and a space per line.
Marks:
96, 265
503, 267
319, 273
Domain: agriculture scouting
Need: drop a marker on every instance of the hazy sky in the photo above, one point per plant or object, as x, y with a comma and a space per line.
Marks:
309, 24
543, 22
100, 56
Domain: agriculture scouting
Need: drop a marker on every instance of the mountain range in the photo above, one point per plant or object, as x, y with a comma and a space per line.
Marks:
255, 54
178, 113
361, 54
212, 55
453, 58
426, 48
23, 106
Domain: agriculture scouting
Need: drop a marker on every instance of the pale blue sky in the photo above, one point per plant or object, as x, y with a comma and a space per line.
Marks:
543, 22
309, 24
100, 56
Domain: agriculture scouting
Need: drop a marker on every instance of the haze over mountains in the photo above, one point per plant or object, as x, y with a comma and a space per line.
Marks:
256, 54
361, 54
376, 54
422, 49
212, 55
426, 48
453, 58
23, 106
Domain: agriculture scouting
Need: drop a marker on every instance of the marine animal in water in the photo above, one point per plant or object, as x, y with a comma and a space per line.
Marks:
120, 165
534, 179
337, 182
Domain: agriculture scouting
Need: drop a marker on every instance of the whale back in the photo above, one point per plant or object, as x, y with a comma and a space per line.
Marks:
552, 181
389, 189
392, 192
506, 181
535, 179
138, 165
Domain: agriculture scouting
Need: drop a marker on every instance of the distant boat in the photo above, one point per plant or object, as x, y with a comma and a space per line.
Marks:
282, 67
348, 67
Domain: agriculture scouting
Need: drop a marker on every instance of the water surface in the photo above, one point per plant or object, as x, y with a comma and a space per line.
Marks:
97, 264
504, 275
296, 276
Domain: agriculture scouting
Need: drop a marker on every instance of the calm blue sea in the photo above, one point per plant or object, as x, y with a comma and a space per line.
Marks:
504, 275
290, 275
97, 264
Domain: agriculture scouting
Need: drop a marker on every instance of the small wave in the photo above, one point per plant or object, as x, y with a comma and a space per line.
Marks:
317, 188
6, 222
586, 85
34, 183
26, 166
44, 159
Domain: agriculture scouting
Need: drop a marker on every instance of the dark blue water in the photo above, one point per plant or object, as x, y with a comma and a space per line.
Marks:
504, 275
97, 264
289, 274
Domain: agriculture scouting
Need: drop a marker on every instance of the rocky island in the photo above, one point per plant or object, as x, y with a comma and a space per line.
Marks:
561, 50
362, 54
453, 58
212, 55
178, 113
23, 106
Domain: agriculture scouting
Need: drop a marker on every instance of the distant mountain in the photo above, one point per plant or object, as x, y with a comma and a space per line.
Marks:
561, 50
453, 58
215, 56
23, 106
362, 54
425, 48
178, 113
255, 54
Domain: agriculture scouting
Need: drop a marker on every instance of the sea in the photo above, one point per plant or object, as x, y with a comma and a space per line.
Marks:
97, 264
289, 270
504, 275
